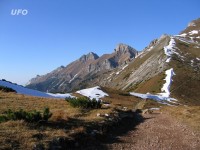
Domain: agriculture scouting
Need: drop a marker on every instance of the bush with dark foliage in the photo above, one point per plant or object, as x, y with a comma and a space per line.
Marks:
33, 116
6, 89
84, 102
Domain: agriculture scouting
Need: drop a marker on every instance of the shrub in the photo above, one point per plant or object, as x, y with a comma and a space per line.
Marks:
124, 94
33, 116
84, 102
46, 114
6, 89
3, 118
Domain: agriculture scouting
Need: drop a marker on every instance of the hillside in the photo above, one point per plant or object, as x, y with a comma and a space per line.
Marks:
147, 72
139, 72
22, 90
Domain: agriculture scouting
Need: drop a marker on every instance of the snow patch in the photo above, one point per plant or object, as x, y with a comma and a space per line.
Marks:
169, 49
58, 95
125, 67
154, 108
166, 87
62, 84
193, 32
110, 76
94, 92
161, 97
184, 40
121, 69
152, 96
182, 35
73, 78
140, 54
118, 72
22, 90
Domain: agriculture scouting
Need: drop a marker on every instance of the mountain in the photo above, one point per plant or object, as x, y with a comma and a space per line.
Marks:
147, 73
22, 90
71, 77
168, 67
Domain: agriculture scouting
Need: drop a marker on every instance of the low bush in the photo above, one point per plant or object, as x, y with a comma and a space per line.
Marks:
6, 89
84, 102
46, 114
33, 116
124, 94
3, 118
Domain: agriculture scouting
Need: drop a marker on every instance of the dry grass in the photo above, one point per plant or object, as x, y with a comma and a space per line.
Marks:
22, 135
186, 82
153, 85
186, 114
66, 121
120, 99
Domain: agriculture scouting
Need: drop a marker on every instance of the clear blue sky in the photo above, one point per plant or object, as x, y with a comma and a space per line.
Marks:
56, 32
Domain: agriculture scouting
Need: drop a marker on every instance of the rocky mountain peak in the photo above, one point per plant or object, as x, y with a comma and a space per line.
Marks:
194, 23
192, 31
89, 56
123, 48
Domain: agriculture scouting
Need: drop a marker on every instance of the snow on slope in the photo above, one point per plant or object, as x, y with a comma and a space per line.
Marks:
154, 97
166, 86
165, 96
94, 92
73, 78
58, 95
193, 32
121, 69
22, 90
169, 49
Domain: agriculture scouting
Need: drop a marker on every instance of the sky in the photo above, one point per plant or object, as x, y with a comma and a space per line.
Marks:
57, 32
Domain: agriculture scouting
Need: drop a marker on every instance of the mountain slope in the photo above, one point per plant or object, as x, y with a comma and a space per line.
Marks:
146, 73
22, 90
70, 77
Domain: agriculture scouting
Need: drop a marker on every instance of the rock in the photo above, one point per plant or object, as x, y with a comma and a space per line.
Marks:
39, 146
107, 115
146, 111
98, 114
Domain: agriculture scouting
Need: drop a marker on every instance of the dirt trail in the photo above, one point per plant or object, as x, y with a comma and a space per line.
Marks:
159, 132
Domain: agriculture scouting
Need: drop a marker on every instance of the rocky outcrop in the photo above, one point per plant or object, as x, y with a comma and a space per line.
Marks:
89, 57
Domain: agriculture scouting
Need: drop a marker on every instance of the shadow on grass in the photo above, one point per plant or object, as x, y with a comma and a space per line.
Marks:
97, 135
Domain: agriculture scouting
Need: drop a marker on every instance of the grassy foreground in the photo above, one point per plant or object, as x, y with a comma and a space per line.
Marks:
66, 125
79, 128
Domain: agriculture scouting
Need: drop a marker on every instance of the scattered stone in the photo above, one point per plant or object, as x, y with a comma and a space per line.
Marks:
98, 115
147, 111
39, 146
125, 108
107, 115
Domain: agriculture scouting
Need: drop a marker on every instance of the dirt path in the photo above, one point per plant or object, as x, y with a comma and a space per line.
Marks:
159, 132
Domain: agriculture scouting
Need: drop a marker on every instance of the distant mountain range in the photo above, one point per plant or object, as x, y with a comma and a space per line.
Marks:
130, 70
72, 76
